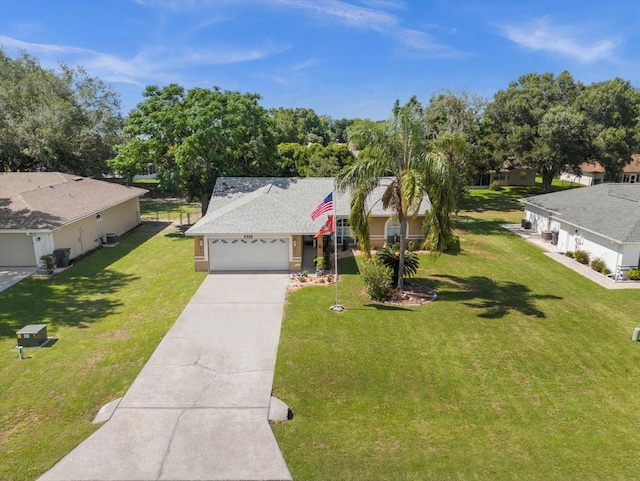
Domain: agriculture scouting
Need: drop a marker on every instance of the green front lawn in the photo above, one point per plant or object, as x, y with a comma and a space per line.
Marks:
522, 369
108, 312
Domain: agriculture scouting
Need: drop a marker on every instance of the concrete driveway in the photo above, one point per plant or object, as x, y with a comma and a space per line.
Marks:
12, 275
198, 409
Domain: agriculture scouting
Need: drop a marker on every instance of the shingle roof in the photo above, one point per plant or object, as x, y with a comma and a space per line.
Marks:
611, 210
48, 200
275, 205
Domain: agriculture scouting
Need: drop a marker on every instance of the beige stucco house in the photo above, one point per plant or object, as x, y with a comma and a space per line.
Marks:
257, 224
44, 211
592, 173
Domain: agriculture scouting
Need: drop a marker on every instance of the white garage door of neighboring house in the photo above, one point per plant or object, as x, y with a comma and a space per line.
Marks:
16, 250
259, 254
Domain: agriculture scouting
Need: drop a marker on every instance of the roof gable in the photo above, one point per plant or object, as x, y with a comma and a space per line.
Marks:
49, 200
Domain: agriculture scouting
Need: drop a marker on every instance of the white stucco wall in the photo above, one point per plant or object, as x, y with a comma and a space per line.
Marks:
573, 238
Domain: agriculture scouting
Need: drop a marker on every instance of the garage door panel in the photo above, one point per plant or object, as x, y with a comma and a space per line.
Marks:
260, 254
16, 250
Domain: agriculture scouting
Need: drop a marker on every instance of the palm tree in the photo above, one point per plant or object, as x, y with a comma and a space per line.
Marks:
396, 154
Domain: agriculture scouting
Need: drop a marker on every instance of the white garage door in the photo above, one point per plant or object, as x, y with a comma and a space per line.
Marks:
258, 254
16, 250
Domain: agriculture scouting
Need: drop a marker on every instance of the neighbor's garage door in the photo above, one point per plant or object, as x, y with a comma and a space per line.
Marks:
259, 254
16, 250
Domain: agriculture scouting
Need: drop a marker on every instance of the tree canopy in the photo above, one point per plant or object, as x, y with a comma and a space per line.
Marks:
397, 154
55, 120
612, 111
526, 121
197, 136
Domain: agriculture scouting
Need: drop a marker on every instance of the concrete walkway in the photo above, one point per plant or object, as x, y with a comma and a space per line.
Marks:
12, 275
198, 409
583, 270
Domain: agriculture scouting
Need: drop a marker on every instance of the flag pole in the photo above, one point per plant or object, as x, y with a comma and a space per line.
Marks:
336, 307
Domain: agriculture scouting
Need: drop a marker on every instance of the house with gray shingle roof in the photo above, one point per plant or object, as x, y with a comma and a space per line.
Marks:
265, 223
603, 220
44, 211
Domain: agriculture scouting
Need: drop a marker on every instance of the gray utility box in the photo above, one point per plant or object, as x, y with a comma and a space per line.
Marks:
111, 239
32, 335
62, 256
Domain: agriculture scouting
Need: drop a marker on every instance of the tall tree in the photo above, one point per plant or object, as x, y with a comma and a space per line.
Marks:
198, 136
302, 126
517, 114
454, 121
397, 153
55, 120
612, 110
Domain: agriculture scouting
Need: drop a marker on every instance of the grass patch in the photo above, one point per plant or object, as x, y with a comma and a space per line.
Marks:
522, 369
148, 207
108, 312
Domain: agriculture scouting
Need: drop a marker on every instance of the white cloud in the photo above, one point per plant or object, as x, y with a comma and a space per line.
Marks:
305, 64
542, 35
352, 15
148, 64
375, 19
426, 45
40, 47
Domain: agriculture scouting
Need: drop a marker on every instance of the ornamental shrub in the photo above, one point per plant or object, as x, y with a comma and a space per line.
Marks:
377, 279
581, 256
569, 254
390, 257
633, 274
495, 185
49, 262
600, 266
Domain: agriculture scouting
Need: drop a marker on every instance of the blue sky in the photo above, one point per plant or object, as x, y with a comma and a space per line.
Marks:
341, 58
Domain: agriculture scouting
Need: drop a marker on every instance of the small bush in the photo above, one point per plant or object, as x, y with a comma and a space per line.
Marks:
633, 274
600, 266
48, 262
569, 254
495, 185
581, 256
390, 257
377, 279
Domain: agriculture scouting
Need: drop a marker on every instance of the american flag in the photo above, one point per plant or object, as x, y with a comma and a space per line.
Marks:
325, 206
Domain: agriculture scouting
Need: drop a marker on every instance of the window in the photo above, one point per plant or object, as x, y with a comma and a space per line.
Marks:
343, 231
523, 175
392, 231
500, 176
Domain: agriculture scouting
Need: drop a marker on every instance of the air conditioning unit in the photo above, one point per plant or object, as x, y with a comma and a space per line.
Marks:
111, 239
546, 235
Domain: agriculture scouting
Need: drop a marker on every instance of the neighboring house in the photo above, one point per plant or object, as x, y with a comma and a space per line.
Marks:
603, 220
510, 174
44, 211
265, 223
593, 173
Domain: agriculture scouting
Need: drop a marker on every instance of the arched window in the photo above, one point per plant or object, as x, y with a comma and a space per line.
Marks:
392, 231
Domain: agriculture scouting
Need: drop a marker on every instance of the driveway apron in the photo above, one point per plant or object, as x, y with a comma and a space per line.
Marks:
198, 409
